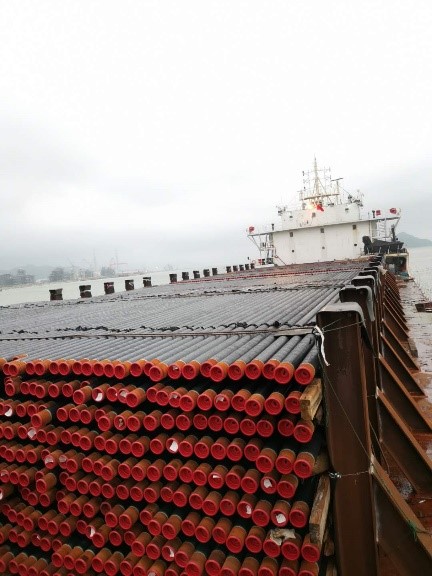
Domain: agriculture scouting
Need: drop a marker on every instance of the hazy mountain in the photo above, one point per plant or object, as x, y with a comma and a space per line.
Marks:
39, 272
412, 241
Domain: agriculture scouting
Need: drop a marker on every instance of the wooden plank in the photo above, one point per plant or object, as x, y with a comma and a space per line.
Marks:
329, 547
319, 512
322, 464
310, 400
331, 569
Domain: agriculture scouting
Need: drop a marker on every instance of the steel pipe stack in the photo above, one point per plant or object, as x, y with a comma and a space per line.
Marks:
184, 452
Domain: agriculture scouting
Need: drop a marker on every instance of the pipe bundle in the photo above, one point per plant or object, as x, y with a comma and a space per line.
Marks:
164, 454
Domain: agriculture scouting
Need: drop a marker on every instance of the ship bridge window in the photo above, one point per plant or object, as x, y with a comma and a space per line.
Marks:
322, 230
291, 234
313, 214
354, 226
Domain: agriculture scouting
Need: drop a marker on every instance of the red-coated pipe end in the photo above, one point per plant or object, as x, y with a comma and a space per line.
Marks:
153, 551
98, 368
228, 505
13, 369
249, 484
285, 461
304, 374
271, 548
185, 448
183, 554
158, 372
53, 368
187, 402
264, 463
280, 514
104, 423
211, 505
235, 450
41, 418
287, 570
291, 549
215, 422
30, 369
269, 368
299, 515
183, 422
212, 567
231, 567
218, 451
134, 398
254, 406
310, 552
234, 543
287, 486
265, 428
64, 367
108, 369
190, 370
205, 399
202, 448
231, 425
206, 367
249, 567
54, 390
303, 431
87, 367
222, 401
245, 509
237, 370
286, 427
248, 427
284, 373
219, 371
121, 371
254, 369
261, 516
233, 479
303, 466
76, 368
238, 401
79, 397
274, 404
292, 402
136, 368
175, 369
170, 472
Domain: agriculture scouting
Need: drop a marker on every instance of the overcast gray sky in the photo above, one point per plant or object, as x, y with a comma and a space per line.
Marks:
162, 129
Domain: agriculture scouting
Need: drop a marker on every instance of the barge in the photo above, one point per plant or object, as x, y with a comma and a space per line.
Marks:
262, 422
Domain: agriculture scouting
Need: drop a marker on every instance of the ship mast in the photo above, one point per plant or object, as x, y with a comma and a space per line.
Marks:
318, 187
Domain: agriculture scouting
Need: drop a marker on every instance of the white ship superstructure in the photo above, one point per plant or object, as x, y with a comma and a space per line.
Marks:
329, 225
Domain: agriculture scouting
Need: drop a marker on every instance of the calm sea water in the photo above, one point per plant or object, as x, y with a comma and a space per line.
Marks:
420, 264
40, 292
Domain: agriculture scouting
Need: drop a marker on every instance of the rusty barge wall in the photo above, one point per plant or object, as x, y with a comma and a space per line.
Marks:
259, 423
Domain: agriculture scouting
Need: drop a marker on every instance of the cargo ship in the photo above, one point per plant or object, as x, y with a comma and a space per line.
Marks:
263, 421
327, 224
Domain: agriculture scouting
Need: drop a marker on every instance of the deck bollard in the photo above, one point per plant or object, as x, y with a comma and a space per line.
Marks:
56, 294
85, 291
109, 287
